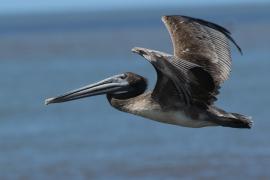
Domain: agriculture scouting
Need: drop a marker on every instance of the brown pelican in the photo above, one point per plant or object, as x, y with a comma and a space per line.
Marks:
187, 81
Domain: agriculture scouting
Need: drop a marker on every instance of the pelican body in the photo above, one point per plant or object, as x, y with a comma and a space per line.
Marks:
187, 81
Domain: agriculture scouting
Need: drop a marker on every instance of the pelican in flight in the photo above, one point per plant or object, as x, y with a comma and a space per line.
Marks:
187, 81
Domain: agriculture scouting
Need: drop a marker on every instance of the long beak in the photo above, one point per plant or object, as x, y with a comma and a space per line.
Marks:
109, 85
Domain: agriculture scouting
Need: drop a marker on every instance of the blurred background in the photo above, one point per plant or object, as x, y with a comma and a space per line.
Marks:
50, 47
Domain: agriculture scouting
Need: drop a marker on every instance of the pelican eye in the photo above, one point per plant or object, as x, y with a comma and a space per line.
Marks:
142, 52
123, 76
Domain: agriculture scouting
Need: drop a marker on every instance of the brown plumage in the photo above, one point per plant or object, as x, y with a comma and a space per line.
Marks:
187, 81
202, 43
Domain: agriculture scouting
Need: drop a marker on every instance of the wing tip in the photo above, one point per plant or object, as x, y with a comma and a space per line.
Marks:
226, 32
236, 45
219, 28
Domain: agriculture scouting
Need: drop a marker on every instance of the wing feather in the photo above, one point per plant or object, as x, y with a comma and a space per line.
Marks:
203, 43
193, 84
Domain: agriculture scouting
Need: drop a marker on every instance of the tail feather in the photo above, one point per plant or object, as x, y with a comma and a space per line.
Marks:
235, 121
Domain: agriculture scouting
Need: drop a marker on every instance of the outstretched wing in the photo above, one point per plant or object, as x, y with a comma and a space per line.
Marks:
181, 79
203, 43
166, 92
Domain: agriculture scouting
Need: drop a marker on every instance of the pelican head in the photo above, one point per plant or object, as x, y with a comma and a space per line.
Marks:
120, 86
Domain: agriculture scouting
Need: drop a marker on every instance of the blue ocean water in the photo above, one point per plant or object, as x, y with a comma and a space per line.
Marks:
88, 139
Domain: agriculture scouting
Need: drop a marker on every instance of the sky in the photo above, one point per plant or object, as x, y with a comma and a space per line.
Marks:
26, 6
